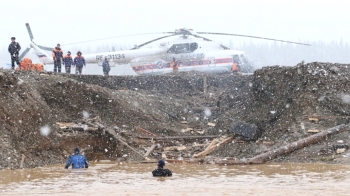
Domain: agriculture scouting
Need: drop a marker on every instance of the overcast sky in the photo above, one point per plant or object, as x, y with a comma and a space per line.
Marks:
68, 21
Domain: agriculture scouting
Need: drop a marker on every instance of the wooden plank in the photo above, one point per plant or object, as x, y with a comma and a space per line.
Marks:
211, 124
22, 161
313, 131
150, 150
145, 131
313, 119
213, 148
180, 137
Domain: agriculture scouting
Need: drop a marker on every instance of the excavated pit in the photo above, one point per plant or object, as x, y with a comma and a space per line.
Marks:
279, 101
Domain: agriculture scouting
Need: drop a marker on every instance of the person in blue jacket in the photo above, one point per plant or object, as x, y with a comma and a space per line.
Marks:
68, 62
79, 62
77, 160
106, 67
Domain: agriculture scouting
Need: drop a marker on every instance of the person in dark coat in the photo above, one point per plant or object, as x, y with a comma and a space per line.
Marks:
68, 62
77, 160
160, 171
14, 49
79, 62
106, 67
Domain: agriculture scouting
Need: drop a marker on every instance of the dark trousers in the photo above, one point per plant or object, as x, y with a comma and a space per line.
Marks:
68, 69
105, 73
13, 59
57, 65
78, 70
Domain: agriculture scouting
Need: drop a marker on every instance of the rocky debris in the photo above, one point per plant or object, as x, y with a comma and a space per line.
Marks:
247, 131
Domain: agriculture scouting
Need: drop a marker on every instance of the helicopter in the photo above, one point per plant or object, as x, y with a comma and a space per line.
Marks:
192, 51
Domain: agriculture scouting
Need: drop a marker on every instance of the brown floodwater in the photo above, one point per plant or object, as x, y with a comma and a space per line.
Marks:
188, 179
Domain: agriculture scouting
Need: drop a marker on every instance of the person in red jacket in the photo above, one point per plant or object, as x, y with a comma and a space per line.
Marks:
57, 55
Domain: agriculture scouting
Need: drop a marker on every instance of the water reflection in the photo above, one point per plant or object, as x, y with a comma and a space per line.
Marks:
187, 179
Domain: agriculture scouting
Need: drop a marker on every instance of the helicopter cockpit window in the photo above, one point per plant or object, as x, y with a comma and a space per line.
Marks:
244, 59
183, 48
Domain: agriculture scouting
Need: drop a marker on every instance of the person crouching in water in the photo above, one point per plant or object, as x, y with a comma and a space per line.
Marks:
79, 62
160, 171
77, 160
68, 62
106, 67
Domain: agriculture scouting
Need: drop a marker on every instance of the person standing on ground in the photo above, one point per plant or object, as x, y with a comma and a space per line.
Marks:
57, 55
68, 62
235, 68
77, 160
79, 62
106, 67
174, 65
14, 49
160, 171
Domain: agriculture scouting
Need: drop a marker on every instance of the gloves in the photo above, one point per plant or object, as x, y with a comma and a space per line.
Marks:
86, 166
65, 167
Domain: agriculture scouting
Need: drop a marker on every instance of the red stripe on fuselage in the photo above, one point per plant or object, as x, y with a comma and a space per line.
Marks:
182, 64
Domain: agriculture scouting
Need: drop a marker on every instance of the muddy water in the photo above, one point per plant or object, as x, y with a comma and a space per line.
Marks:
187, 179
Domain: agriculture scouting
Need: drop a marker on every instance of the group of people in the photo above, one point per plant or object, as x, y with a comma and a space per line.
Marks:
79, 161
59, 59
67, 61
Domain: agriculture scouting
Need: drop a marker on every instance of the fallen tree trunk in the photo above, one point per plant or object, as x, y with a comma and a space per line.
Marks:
284, 150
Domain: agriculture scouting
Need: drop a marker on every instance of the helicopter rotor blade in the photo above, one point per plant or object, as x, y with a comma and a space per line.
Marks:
254, 37
45, 48
29, 32
206, 39
136, 47
111, 38
23, 54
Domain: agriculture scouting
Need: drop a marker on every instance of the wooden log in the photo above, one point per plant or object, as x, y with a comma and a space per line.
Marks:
213, 148
284, 150
150, 150
180, 137
145, 131
22, 161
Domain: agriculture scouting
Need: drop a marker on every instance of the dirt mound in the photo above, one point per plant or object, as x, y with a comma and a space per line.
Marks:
277, 101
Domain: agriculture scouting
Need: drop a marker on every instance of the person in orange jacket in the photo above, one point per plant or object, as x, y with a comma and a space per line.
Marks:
57, 55
235, 68
174, 65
